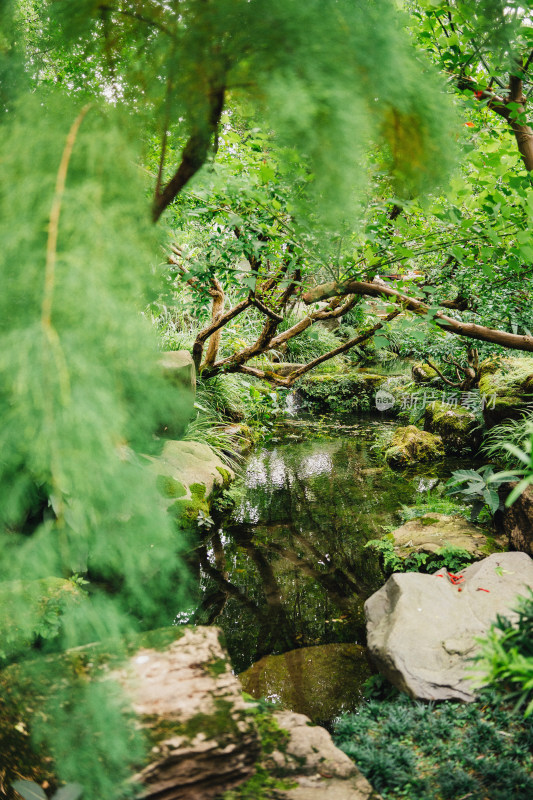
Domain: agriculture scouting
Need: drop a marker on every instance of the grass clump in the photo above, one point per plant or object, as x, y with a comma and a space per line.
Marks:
408, 749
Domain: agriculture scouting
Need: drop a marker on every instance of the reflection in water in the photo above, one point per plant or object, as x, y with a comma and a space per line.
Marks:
289, 568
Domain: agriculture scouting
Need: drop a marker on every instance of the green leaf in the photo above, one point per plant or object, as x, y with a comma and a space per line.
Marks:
518, 489
69, 792
29, 790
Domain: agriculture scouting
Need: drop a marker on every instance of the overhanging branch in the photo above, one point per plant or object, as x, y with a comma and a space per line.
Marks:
470, 330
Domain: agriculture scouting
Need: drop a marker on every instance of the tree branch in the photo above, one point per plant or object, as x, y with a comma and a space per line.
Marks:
439, 373
194, 154
290, 379
470, 330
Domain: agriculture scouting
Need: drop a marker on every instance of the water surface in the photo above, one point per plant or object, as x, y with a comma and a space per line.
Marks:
289, 568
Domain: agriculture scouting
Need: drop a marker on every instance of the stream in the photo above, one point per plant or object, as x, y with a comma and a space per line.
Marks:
288, 573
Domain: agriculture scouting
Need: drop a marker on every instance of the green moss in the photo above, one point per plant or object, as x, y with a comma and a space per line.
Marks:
503, 376
226, 476
492, 546
422, 372
272, 737
455, 424
216, 667
220, 725
169, 487
197, 490
185, 510
410, 445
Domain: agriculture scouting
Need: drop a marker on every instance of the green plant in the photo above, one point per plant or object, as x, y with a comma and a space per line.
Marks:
509, 432
449, 557
506, 659
314, 341
480, 487
264, 407
203, 520
263, 785
408, 749
427, 503
525, 474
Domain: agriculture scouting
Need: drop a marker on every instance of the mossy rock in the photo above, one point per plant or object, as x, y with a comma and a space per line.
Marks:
410, 445
433, 531
457, 426
319, 681
506, 386
189, 476
26, 688
423, 373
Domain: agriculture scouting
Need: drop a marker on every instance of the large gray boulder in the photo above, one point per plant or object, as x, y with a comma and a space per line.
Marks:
422, 629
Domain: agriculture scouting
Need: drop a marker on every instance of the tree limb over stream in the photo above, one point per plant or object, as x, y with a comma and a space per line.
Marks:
469, 330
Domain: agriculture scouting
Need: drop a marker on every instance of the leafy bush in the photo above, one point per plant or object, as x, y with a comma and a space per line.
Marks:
314, 341
506, 659
408, 749
480, 487
450, 557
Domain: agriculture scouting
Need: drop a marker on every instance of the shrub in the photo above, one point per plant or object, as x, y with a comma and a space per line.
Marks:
409, 749
506, 659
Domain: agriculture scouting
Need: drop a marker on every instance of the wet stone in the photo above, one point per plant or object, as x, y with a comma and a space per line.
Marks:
320, 681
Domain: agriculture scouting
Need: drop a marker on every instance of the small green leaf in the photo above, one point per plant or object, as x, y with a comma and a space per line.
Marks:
69, 792
29, 790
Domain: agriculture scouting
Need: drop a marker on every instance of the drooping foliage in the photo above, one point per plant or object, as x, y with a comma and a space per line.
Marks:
81, 399
326, 77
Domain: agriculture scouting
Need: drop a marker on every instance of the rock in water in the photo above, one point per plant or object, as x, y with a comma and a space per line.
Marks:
320, 681
409, 445
429, 533
421, 629
457, 426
